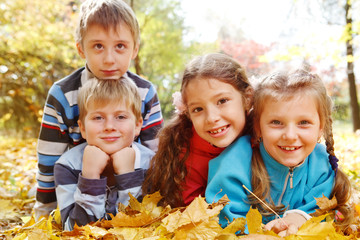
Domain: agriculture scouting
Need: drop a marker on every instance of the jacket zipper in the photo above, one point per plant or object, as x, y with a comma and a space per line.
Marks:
291, 172
289, 175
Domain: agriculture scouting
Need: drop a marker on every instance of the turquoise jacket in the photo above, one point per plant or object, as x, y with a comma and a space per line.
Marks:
232, 169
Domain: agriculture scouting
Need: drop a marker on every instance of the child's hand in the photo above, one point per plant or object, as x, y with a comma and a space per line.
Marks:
94, 162
124, 160
293, 221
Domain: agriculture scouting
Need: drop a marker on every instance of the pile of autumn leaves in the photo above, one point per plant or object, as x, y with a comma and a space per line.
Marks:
199, 220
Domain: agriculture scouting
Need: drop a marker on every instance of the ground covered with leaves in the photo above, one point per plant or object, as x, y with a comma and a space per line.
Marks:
146, 220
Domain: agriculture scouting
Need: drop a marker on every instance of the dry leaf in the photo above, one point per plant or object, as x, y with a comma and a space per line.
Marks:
325, 205
254, 221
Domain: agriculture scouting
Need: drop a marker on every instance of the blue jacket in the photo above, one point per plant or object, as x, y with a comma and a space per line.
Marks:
232, 169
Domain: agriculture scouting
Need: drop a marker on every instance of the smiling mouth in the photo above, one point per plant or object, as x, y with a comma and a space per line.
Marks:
219, 130
289, 148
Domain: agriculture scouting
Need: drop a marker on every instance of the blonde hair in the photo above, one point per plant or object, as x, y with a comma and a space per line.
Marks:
106, 13
282, 86
103, 92
167, 170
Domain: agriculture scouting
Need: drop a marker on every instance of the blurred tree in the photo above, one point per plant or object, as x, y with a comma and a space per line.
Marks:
36, 49
248, 53
163, 50
341, 12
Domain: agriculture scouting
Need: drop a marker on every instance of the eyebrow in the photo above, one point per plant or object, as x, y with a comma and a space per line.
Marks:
215, 96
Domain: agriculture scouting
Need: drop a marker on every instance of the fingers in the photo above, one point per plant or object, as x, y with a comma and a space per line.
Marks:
276, 226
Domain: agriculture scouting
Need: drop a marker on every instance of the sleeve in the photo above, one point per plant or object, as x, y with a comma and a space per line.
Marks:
130, 183
80, 200
153, 120
227, 174
53, 141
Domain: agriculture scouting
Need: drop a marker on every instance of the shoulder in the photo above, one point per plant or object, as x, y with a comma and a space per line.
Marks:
238, 153
319, 156
69, 83
139, 81
318, 163
73, 157
72, 80
242, 146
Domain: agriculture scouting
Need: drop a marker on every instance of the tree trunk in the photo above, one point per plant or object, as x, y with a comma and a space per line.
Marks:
350, 70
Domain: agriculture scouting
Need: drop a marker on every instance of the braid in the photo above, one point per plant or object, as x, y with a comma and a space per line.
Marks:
260, 183
342, 187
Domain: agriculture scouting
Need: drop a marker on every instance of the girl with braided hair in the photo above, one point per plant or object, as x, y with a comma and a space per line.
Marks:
211, 112
289, 168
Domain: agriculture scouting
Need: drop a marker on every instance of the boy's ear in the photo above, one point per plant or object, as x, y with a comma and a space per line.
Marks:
80, 50
82, 129
138, 125
135, 51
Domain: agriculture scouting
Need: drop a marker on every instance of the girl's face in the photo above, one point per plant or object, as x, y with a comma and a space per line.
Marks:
290, 128
216, 110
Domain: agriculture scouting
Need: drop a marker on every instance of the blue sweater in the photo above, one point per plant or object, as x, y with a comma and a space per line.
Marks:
83, 200
232, 169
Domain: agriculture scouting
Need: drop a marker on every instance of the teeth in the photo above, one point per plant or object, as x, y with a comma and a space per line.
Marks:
219, 130
289, 148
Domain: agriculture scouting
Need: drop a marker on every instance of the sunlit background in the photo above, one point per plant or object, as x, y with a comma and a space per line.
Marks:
37, 48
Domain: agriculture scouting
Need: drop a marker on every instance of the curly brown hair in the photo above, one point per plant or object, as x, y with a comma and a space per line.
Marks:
167, 169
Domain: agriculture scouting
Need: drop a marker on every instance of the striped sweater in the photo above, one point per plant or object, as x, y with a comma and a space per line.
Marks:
83, 200
59, 129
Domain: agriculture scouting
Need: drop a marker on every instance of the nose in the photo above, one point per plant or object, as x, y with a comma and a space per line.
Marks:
109, 57
109, 125
212, 115
290, 133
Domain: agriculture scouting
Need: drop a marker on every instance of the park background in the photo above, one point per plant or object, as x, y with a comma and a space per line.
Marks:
37, 48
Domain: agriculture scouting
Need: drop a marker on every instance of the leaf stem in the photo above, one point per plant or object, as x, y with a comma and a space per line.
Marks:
265, 205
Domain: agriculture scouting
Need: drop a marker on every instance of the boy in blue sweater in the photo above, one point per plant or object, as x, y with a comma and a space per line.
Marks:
93, 177
107, 37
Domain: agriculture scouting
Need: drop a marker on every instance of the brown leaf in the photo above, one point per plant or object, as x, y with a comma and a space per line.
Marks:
325, 205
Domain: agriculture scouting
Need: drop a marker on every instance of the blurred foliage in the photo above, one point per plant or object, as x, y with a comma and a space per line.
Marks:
163, 48
36, 49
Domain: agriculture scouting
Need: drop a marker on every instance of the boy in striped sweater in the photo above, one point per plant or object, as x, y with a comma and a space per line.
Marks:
93, 177
107, 37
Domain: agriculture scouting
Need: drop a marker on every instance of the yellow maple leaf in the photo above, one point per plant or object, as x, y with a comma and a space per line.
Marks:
315, 229
197, 211
123, 220
204, 230
132, 233
237, 225
254, 221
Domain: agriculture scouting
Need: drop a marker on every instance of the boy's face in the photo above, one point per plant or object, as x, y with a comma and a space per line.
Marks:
110, 127
108, 53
